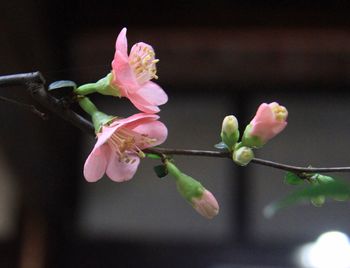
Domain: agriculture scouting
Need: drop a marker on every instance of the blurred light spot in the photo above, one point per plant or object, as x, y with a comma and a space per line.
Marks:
331, 249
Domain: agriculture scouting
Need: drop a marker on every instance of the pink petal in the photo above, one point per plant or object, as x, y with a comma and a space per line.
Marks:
155, 130
137, 48
153, 109
105, 134
122, 43
120, 171
135, 120
123, 75
264, 113
142, 104
207, 205
267, 131
96, 163
152, 93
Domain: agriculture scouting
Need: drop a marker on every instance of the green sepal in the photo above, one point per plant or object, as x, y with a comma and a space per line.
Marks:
187, 186
103, 86
99, 119
230, 140
251, 141
62, 84
333, 189
292, 179
153, 156
161, 171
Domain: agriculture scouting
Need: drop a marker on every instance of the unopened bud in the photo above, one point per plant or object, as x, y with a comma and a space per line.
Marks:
318, 201
270, 120
194, 192
242, 156
229, 131
206, 205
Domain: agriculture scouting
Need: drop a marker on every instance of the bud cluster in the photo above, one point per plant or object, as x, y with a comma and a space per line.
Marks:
270, 119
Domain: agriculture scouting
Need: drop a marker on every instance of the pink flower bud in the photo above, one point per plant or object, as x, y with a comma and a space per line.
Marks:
270, 120
206, 205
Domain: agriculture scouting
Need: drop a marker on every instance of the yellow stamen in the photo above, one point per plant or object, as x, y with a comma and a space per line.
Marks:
280, 112
125, 142
143, 62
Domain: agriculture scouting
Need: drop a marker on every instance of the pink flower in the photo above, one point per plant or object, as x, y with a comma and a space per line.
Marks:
118, 149
206, 205
270, 119
132, 74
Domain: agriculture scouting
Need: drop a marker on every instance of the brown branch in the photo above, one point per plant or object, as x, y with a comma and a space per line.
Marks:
28, 107
35, 84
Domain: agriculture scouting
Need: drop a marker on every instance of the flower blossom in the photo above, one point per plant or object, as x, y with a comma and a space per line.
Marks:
206, 205
132, 74
119, 146
270, 120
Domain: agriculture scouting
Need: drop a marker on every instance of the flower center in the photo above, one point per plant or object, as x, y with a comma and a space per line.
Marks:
280, 112
142, 61
125, 142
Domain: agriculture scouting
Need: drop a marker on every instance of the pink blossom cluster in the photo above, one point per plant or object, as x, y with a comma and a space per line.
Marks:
120, 142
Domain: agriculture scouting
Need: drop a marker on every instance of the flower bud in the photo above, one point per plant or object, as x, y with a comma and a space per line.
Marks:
318, 201
229, 131
193, 191
242, 156
206, 205
270, 120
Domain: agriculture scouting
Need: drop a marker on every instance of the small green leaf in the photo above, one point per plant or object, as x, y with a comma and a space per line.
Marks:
292, 179
62, 84
161, 171
221, 146
153, 156
334, 189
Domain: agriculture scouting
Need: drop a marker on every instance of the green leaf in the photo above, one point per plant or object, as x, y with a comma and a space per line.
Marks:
161, 171
221, 146
334, 189
292, 179
62, 84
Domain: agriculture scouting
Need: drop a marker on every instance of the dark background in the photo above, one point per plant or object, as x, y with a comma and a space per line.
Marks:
217, 58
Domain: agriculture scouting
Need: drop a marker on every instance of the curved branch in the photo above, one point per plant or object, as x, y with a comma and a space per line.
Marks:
35, 85
259, 161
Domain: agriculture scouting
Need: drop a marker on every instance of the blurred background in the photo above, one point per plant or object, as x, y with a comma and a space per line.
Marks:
216, 58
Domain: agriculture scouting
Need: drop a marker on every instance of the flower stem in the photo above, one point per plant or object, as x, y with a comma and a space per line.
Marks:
86, 89
98, 118
87, 105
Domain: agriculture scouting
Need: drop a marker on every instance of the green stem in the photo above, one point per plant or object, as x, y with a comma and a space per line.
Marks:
172, 169
98, 118
86, 89
87, 105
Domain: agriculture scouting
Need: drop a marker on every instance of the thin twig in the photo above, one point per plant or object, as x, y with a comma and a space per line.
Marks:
28, 107
35, 85
258, 161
